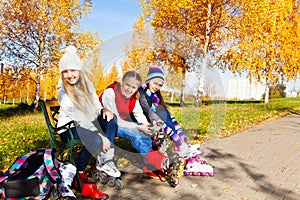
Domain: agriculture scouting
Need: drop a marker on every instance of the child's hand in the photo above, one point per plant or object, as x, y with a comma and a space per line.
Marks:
105, 144
144, 128
107, 114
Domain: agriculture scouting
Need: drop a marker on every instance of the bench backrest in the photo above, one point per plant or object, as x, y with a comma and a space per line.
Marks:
50, 110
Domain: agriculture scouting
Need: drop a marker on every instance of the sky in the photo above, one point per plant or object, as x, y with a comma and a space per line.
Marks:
112, 17
116, 17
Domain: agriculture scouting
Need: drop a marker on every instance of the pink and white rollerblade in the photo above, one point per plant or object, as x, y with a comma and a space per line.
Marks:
198, 167
193, 150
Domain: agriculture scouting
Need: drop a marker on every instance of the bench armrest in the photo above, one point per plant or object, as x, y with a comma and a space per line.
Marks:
66, 126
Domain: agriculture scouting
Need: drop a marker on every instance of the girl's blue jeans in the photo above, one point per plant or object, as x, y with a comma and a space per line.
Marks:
91, 140
140, 141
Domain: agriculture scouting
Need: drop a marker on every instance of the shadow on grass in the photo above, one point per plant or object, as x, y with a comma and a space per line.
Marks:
20, 109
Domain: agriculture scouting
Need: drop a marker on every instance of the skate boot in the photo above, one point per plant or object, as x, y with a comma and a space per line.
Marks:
193, 150
164, 168
68, 172
150, 171
107, 173
181, 150
175, 170
157, 164
160, 141
196, 166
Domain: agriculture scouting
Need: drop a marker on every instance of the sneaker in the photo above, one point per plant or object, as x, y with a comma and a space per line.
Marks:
110, 169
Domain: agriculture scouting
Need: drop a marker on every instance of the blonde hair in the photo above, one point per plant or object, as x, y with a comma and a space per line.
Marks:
81, 94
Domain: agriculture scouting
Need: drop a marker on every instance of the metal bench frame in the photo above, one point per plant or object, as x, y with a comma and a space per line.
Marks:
65, 152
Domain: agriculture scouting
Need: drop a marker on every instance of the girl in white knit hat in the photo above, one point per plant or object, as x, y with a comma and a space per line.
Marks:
96, 125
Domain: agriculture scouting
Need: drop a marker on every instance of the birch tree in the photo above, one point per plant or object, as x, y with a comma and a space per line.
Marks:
267, 44
194, 32
33, 32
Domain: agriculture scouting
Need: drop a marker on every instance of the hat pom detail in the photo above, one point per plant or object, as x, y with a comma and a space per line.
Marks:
70, 49
70, 60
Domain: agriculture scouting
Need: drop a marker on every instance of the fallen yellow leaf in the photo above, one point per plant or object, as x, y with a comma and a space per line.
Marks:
283, 169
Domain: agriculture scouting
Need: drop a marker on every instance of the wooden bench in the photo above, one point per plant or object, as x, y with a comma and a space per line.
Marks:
65, 151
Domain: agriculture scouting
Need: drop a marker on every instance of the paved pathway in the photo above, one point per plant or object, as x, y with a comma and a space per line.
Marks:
260, 163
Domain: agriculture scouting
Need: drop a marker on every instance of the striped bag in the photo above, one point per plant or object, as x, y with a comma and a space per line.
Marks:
31, 175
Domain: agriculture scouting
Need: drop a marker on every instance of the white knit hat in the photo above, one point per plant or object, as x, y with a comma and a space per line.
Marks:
70, 59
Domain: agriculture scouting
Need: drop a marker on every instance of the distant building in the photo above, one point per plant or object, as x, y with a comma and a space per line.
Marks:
291, 93
242, 89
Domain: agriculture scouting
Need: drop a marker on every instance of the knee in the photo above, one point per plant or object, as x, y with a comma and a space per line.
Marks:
145, 141
98, 141
113, 121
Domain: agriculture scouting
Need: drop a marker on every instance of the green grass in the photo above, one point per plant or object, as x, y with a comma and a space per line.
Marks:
22, 130
226, 119
20, 134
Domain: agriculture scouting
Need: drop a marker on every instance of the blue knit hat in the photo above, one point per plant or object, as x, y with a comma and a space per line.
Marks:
155, 73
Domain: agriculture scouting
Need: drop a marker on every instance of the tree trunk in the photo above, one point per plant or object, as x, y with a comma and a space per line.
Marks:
182, 88
37, 92
172, 96
267, 93
201, 72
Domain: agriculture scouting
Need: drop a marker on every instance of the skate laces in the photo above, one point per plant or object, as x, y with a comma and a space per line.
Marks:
111, 164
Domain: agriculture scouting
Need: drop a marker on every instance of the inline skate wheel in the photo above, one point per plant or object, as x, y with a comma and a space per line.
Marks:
174, 183
119, 184
197, 173
95, 175
99, 176
103, 178
211, 174
186, 173
203, 173
182, 161
111, 181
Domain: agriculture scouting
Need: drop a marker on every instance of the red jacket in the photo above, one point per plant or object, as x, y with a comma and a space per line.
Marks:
124, 105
